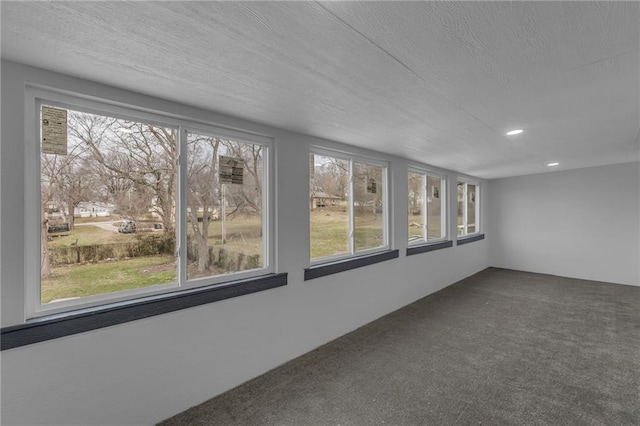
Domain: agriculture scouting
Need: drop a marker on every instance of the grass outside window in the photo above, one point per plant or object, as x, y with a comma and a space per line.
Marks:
347, 207
74, 277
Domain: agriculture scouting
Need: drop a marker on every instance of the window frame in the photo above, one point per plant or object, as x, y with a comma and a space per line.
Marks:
444, 207
466, 233
386, 211
267, 228
35, 97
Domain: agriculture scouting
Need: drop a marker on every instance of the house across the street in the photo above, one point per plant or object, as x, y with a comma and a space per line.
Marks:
322, 199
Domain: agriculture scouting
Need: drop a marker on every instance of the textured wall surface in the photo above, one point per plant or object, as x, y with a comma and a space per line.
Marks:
580, 223
144, 371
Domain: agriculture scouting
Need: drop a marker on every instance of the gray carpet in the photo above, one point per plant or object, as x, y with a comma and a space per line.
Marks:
500, 347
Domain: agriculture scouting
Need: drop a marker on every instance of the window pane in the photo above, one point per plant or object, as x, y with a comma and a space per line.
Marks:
107, 205
328, 205
368, 208
416, 202
434, 208
224, 206
471, 208
461, 230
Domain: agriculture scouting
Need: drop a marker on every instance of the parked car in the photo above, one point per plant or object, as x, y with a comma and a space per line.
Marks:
127, 227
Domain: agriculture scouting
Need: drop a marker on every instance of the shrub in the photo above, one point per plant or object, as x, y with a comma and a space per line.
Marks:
144, 245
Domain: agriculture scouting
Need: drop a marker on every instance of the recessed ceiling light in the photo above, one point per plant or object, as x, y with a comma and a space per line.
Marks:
515, 132
552, 164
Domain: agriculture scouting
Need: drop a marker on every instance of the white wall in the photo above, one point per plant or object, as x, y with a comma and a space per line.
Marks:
582, 223
144, 371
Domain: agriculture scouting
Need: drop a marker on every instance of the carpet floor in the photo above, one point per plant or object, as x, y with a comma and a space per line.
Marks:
499, 347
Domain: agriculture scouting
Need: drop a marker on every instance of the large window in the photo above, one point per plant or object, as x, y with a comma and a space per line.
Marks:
224, 206
107, 204
122, 213
468, 208
427, 207
348, 206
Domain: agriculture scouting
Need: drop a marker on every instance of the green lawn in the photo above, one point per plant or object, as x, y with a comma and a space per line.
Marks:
329, 236
109, 277
95, 219
415, 227
243, 234
88, 235
330, 232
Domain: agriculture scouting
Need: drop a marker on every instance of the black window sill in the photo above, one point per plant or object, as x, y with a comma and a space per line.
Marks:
348, 264
467, 240
429, 247
60, 325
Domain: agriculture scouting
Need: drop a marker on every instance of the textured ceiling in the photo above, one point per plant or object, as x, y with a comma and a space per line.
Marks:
437, 82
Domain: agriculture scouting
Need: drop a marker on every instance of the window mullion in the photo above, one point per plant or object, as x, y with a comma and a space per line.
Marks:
33, 210
444, 231
477, 208
425, 204
465, 208
352, 226
267, 216
386, 229
181, 213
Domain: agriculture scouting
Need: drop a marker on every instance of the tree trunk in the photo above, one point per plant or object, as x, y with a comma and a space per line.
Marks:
203, 254
45, 267
71, 217
201, 235
165, 210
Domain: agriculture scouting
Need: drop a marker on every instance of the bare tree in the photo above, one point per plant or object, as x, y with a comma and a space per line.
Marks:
331, 176
61, 182
135, 155
247, 198
76, 184
133, 202
135, 166
416, 185
367, 187
203, 190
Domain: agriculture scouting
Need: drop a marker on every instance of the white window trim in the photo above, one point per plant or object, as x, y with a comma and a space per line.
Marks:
35, 96
423, 211
267, 248
386, 211
478, 230
444, 206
